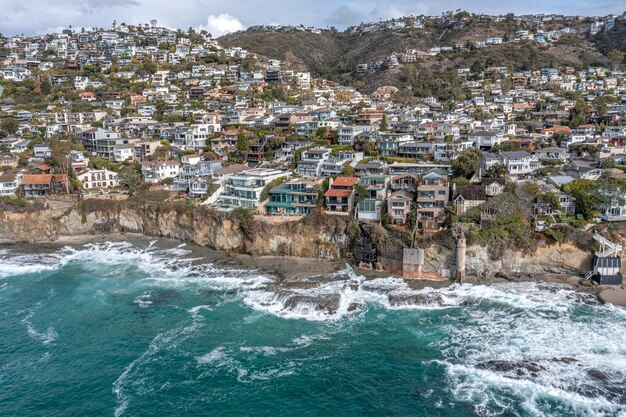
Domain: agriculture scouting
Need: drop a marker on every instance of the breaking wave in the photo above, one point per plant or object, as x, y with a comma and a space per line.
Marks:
508, 349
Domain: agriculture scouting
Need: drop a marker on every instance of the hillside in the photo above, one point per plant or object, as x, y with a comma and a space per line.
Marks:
335, 54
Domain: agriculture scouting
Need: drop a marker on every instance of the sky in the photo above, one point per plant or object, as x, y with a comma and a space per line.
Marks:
223, 16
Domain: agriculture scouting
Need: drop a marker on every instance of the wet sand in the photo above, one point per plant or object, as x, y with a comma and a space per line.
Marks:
613, 295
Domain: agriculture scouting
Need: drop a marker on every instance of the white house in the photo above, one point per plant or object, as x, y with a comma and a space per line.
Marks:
9, 183
348, 134
123, 152
98, 178
485, 140
80, 83
157, 171
42, 151
517, 163
244, 189
311, 162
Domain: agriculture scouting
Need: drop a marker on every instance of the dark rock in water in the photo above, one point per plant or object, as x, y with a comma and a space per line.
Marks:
502, 276
415, 299
520, 369
353, 307
289, 285
565, 359
328, 303
596, 374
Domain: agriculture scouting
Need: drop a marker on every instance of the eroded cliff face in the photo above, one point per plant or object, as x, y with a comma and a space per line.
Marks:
318, 236
313, 238
554, 258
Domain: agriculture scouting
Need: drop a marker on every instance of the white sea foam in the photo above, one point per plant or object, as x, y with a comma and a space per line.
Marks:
532, 346
12, 264
270, 374
143, 300
133, 376
195, 311
306, 340
512, 323
46, 336
351, 294
216, 355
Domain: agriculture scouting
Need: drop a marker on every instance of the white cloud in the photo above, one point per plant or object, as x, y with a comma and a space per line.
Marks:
218, 25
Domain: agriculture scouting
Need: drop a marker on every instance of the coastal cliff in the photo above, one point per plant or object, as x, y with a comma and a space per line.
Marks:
315, 236
238, 232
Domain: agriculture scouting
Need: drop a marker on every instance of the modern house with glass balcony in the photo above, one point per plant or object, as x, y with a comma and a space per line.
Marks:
389, 143
371, 205
244, 189
310, 165
295, 197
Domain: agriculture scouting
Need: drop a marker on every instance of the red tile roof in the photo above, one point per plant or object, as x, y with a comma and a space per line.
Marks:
338, 193
345, 181
37, 179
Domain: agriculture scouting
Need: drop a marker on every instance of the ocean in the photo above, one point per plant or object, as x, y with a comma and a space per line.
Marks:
116, 329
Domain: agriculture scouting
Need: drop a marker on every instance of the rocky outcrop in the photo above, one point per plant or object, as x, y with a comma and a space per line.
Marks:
317, 237
555, 258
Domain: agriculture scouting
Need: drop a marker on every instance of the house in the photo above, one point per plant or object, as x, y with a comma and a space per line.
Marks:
42, 151
493, 186
196, 137
552, 154
347, 135
35, 185
199, 186
244, 189
9, 183
485, 140
399, 205
567, 203
371, 167
79, 161
124, 152
20, 146
370, 205
406, 181
389, 143
145, 149
99, 141
98, 178
518, 163
8, 162
416, 168
340, 197
294, 197
157, 171
468, 196
431, 199
311, 161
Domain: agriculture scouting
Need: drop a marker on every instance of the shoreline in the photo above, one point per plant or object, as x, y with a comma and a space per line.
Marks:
291, 271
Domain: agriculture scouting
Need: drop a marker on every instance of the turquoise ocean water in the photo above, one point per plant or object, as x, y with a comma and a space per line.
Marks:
111, 329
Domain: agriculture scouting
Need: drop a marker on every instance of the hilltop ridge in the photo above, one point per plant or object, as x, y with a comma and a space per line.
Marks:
371, 55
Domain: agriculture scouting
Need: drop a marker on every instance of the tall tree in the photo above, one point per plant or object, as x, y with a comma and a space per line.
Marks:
466, 164
616, 57
61, 159
9, 125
